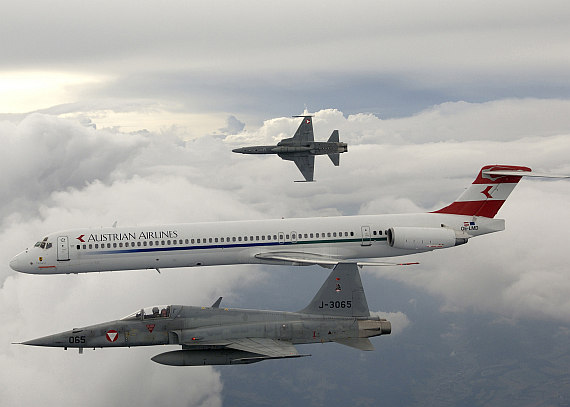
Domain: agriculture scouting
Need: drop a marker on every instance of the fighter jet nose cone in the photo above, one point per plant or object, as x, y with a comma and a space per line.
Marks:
33, 342
238, 150
57, 340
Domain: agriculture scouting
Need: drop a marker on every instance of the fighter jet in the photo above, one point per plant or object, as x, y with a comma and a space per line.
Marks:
223, 336
302, 149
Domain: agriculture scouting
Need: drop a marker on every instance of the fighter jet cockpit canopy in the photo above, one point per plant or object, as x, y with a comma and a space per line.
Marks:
43, 244
158, 311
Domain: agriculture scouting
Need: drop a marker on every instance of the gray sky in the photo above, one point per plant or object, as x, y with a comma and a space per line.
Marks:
128, 112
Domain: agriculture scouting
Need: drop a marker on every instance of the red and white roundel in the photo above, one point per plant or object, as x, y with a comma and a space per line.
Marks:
112, 335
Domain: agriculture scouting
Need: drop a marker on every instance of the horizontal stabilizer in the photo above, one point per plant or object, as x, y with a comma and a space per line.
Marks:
335, 158
523, 174
334, 138
358, 343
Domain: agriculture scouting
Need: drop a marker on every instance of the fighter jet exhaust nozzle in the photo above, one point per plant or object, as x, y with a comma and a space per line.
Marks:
368, 328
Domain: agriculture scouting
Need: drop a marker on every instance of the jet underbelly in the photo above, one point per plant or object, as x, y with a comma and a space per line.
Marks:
180, 257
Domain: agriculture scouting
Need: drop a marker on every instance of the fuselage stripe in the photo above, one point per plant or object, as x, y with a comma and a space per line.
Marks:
225, 246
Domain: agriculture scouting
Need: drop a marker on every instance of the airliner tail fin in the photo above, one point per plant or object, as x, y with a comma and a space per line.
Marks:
486, 195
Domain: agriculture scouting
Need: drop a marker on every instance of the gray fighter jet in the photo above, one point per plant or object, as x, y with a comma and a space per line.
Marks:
224, 336
302, 149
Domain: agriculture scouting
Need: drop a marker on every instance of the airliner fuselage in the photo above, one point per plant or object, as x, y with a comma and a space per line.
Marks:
305, 241
322, 240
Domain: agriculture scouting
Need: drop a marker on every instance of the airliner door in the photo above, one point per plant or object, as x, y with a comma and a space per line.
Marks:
366, 236
293, 237
62, 248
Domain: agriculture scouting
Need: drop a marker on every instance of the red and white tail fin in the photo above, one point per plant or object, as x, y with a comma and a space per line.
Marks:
488, 192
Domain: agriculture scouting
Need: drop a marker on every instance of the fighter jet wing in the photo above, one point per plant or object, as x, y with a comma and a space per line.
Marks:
304, 258
306, 164
358, 343
303, 135
264, 346
304, 161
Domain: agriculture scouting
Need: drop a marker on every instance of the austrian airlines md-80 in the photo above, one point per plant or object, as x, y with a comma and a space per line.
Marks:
323, 240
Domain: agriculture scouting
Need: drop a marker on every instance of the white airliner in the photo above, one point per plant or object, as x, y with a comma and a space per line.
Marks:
323, 240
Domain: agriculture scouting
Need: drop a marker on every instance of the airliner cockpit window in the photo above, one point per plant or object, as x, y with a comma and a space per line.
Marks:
44, 244
160, 311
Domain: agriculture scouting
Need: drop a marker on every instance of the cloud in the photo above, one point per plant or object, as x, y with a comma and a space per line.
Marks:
379, 58
43, 154
398, 320
517, 273
93, 177
424, 99
61, 174
434, 41
233, 126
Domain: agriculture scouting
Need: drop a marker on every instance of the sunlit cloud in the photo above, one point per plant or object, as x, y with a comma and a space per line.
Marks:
26, 91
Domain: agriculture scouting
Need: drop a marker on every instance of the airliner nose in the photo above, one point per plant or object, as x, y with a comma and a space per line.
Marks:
20, 263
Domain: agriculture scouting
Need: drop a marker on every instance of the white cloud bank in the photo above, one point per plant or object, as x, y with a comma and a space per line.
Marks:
59, 174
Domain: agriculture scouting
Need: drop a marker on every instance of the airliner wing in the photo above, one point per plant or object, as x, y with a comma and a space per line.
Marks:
303, 258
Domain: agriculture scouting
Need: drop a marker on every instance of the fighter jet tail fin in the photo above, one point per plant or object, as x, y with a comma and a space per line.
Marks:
217, 303
341, 294
335, 158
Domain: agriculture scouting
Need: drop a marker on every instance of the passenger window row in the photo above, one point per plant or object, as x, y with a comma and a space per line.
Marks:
228, 239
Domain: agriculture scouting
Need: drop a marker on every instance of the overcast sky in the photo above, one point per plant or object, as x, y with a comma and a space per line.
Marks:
128, 112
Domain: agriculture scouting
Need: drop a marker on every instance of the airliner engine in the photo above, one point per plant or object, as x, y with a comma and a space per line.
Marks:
414, 238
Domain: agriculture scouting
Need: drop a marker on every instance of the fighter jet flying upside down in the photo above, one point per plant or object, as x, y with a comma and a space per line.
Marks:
302, 148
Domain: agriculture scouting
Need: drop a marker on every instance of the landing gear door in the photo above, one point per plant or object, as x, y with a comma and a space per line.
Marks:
62, 248
366, 236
